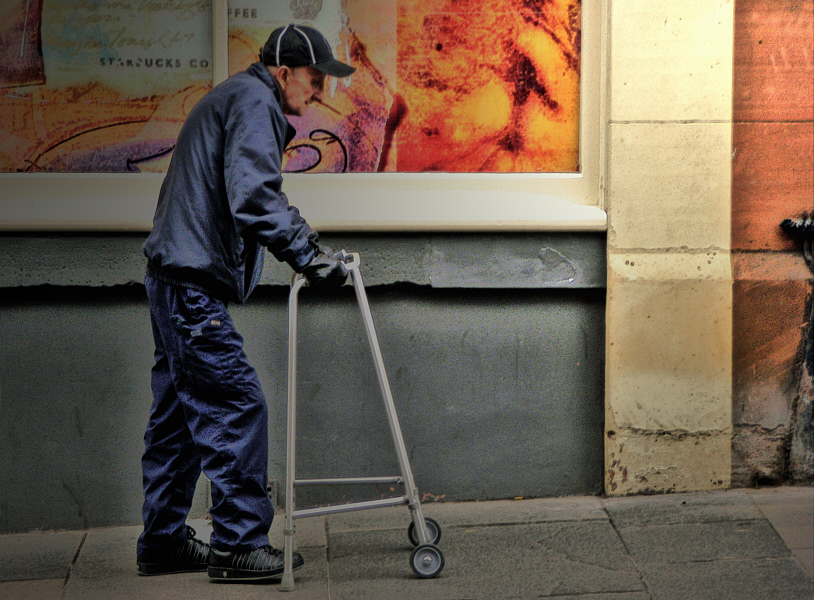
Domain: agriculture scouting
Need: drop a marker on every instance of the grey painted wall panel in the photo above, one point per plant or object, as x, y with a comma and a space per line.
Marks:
74, 396
499, 391
451, 260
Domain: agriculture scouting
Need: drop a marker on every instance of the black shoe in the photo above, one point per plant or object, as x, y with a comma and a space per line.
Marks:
191, 556
256, 565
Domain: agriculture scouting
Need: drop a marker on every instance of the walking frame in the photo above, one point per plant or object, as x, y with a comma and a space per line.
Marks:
426, 559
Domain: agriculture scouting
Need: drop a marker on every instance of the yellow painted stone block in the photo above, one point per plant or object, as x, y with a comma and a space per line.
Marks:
669, 352
669, 185
641, 462
672, 61
710, 264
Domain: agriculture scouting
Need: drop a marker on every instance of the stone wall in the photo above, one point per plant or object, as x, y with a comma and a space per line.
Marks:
668, 372
772, 180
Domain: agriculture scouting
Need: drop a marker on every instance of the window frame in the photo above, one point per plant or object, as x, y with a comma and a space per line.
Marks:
122, 202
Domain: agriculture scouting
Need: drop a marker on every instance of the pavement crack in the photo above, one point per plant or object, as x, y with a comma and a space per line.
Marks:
73, 561
581, 596
616, 528
476, 525
719, 521
328, 557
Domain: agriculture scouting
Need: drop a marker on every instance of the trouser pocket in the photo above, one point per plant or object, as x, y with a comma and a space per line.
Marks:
210, 349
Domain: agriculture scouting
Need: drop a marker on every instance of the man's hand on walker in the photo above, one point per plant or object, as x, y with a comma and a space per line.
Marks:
325, 270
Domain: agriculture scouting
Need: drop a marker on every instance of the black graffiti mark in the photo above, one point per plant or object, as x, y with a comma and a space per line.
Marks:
321, 135
331, 139
809, 351
308, 147
33, 163
802, 231
132, 163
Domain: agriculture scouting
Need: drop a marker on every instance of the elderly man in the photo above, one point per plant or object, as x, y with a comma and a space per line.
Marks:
220, 206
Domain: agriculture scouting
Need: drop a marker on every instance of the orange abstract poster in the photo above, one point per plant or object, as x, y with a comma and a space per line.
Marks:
441, 85
488, 85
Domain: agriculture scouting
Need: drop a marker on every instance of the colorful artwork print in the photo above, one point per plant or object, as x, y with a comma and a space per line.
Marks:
488, 86
20, 55
346, 133
441, 85
117, 79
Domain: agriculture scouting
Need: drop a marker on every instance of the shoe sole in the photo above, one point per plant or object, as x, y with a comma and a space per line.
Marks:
224, 574
150, 569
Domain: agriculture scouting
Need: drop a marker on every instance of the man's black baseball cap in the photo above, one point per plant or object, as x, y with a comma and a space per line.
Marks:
302, 46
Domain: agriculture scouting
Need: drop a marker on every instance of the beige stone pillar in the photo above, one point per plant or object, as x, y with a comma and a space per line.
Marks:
668, 180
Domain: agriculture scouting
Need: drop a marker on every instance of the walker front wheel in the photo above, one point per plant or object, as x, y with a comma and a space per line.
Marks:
427, 561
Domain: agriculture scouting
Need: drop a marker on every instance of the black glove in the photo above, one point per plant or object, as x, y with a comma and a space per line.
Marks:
325, 270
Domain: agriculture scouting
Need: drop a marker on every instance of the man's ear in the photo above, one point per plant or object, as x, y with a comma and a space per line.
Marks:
283, 75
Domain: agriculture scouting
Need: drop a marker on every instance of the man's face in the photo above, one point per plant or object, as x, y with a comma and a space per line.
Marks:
299, 87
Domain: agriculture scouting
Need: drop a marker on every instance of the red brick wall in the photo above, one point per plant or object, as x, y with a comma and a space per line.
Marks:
772, 180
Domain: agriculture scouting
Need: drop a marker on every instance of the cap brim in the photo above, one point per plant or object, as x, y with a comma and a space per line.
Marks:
335, 68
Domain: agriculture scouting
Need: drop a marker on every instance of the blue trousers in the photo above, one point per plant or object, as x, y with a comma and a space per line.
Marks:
209, 414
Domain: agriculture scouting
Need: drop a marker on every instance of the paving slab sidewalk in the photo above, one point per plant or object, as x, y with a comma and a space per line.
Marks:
791, 512
719, 546
712, 546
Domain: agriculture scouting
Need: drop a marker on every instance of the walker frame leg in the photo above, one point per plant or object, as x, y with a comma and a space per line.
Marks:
287, 582
426, 560
413, 500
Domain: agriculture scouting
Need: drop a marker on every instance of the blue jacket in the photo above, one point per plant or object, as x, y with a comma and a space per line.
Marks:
221, 201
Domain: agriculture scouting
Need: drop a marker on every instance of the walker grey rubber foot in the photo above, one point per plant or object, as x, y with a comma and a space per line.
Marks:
287, 582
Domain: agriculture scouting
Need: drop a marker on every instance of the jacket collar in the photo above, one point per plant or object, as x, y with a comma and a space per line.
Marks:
261, 71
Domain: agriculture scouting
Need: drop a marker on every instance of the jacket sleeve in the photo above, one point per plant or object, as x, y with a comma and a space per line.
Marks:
254, 142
